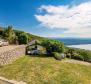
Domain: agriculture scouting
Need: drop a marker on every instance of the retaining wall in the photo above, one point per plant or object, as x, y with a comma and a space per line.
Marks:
11, 55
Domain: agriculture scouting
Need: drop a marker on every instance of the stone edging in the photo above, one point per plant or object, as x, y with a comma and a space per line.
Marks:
6, 81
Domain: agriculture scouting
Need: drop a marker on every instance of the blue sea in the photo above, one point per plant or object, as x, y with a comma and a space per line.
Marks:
74, 41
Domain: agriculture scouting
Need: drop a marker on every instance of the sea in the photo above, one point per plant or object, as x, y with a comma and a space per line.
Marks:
74, 41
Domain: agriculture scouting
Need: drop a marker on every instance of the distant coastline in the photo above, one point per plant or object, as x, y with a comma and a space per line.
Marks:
74, 41
81, 43
82, 46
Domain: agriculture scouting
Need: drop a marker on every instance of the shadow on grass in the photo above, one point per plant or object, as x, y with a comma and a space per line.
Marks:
41, 56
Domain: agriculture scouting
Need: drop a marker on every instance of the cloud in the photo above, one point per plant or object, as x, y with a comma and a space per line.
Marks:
76, 19
77, 2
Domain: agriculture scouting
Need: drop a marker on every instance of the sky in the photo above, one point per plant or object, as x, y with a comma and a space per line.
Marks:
48, 18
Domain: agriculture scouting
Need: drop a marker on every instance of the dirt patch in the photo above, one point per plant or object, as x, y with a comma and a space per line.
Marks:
77, 62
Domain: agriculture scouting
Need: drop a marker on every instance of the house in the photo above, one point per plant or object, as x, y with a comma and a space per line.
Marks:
35, 48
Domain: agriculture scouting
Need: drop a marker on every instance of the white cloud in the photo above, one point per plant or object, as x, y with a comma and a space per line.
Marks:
76, 19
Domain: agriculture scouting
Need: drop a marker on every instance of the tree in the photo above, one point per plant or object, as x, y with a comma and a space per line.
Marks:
9, 34
23, 38
1, 31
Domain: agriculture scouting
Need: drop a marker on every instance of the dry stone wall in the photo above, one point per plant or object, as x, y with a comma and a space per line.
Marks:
11, 55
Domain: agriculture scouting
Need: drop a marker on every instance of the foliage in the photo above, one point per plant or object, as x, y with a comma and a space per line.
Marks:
23, 38
77, 56
85, 53
30, 37
1, 31
9, 34
80, 54
57, 55
53, 46
16, 36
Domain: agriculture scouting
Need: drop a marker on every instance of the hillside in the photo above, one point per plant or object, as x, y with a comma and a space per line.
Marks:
30, 35
47, 70
14, 36
19, 31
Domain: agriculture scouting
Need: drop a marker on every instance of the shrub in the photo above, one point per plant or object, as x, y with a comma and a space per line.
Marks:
85, 54
80, 54
68, 55
23, 38
58, 56
77, 56
53, 46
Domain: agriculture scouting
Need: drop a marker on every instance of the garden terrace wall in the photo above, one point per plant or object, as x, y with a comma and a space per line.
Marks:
11, 55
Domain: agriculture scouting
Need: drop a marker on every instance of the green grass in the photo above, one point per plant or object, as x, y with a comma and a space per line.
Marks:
46, 70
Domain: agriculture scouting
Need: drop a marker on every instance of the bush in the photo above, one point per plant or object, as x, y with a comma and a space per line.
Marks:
85, 54
77, 56
23, 38
58, 56
53, 46
80, 54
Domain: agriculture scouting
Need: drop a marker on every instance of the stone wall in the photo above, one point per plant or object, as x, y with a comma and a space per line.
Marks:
11, 55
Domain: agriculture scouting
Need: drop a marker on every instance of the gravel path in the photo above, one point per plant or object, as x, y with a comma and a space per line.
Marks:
7, 48
78, 62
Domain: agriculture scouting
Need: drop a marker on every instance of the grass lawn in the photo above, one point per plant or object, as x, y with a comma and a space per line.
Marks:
46, 70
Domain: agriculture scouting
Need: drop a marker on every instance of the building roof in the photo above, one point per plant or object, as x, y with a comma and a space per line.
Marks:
33, 42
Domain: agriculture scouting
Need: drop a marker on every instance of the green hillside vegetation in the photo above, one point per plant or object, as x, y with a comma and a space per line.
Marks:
79, 54
46, 70
53, 47
17, 36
